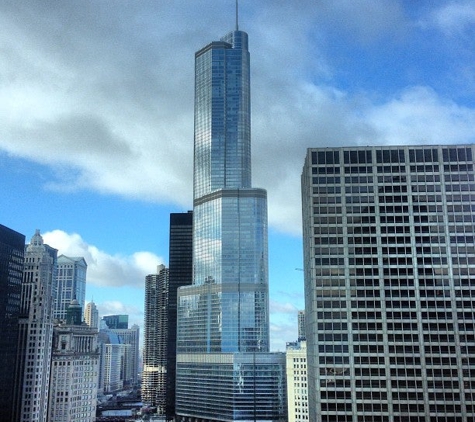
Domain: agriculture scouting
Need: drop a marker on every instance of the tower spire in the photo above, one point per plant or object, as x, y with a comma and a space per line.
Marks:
237, 15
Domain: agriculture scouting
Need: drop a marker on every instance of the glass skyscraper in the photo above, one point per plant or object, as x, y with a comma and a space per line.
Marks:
389, 261
224, 369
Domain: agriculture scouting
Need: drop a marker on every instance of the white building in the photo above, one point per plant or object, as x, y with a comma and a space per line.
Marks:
130, 364
113, 353
297, 390
36, 330
74, 374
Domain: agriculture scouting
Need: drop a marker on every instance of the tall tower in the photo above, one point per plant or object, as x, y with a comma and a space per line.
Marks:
12, 250
70, 284
91, 315
223, 318
36, 332
155, 340
389, 262
180, 274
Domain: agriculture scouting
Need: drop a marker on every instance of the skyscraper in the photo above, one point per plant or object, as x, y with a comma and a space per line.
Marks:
130, 366
389, 261
36, 332
74, 370
180, 274
12, 250
223, 364
155, 340
70, 284
91, 315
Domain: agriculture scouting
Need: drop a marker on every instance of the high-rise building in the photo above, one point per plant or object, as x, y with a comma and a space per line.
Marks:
154, 375
112, 355
91, 315
224, 369
74, 370
389, 261
115, 322
70, 284
12, 250
130, 365
36, 332
301, 325
180, 274
297, 389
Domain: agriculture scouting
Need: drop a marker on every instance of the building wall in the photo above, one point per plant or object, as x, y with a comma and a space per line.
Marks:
74, 374
297, 390
12, 249
36, 331
389, 294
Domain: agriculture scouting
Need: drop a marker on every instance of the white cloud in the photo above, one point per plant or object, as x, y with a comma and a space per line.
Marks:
103, 269
454, 17
104, 94
419, 115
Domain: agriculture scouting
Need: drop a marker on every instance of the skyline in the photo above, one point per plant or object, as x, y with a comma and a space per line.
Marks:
87, 78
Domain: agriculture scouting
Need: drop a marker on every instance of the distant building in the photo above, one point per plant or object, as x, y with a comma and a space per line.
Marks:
154, 375
91, 315
70, 284
301, 326
116, 322
389, 259
130, 363
297, 389
74, 370
36, 332
12, 250
112, 355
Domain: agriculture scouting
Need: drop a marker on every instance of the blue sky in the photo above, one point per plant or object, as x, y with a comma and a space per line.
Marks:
96, 117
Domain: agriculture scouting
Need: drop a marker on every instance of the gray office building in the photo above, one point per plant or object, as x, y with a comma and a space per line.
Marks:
224, 369
389, 262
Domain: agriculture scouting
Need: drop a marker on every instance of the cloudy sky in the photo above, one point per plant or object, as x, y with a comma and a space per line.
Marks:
96, 116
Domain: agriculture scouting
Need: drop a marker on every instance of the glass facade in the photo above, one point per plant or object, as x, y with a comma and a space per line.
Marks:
389, 267
70, 284
224, 368
12, 249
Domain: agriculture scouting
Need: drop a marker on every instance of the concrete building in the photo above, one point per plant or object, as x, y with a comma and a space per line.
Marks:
224, 369
35, 332
297, 389
12, 250
389, 261
74, 371
70, 284
154, 375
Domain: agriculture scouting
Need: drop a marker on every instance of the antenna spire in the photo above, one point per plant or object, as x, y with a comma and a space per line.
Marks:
237, 16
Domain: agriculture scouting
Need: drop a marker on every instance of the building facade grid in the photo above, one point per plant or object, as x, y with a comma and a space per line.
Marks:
389, 262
